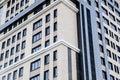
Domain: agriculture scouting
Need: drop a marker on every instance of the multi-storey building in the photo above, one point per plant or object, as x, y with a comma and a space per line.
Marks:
59, 40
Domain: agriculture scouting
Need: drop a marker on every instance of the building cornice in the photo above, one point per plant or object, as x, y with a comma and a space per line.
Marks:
68, 4
40, 52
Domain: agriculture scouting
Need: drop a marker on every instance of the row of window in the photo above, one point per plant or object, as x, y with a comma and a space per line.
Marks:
10, 53
14, 75
46, 74
47, 43
14, 38
17, 58
37, 63
17, 6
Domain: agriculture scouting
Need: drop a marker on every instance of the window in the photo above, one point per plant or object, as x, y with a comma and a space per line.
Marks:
15, 75
46, 75
8, 42
46, 59
102, 61
7, 13
18, 35
13, 38
113, 27
24, 32
12, 10
104, 11
55, 26
110, 65
104, 75
99, 36
55, 71
22, 55
98, 25
13, 1
17, 6
23, 44
47, 18
116, 4
21, 72
107, 41
4, 78
37, 24
55, 55
55, 39
109, 53
47, 31
106, 21
118, 48
47, 43
37, 36
110, 7
7, 54
101, 48
35, 65
0, 67
12, 51
112, 77
5, 65
26, 1
55, 13
112, 17
18, 48
16, 58
11, 62
1, 56
22, 3
36, 77
9, 76
48, 2
8, 4
3, 45
35, 49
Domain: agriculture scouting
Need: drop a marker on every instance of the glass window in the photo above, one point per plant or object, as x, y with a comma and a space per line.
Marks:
8, 42
22, 3
15, 75
7, 54
46, 75
47, 31
22, 55
21, 72
55, 13
35, 49
9, 76
104, 75
7, 13
55, 71
18, 48
5, 65
11, 62
112, 77
35, 65
8, 4
110, 65
55, 26
47, 18
36, 77
23, 44
47, 43
46, 59
55, 55
4, 78
37, 24
12, 51
24, 32
18, 35
13, 38
12, 10
3, 45
37, 36
1, 56
102, 61
16, 58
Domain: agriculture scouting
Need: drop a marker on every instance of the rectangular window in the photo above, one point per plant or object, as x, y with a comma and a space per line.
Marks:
18, 48
4, 78
7, 13
102, 61
21, 72
22, 3
9, 76
5, 65
110, 65
23, 44
3, 45
13, 38
11, 62
104, 75
37, 24
12, 10
55, 39
18, 35
37, 48
15, 75
36, 77
35, 65
112, 77
46, 59
17, 6
55, 55
46, 75
26, 1
55, 71
37, 36
24, 32
47, 43
16, 58
22, 55
12, 51
8, 42
7, 54
47, 31
55, 26
1, 56
47, 18
8, 4
55, 13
